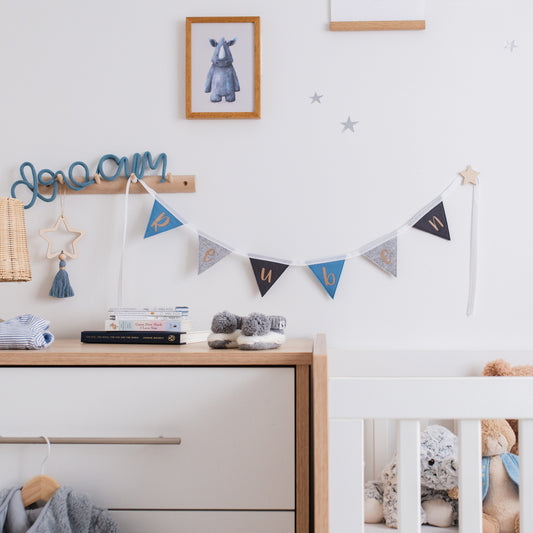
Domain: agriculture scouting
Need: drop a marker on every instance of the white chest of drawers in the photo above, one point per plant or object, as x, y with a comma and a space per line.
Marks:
253, 456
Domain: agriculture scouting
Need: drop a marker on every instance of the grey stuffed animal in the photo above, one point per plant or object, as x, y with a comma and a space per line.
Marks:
438, 476
226, 328
261, 332
253, 332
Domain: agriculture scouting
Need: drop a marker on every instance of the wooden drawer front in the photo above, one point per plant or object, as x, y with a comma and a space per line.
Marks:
236, 424
205, 522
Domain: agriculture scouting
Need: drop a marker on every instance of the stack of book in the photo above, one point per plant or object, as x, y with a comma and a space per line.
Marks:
148, 319
146, 325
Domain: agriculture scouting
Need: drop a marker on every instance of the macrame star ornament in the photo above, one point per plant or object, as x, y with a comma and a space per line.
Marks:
61, 287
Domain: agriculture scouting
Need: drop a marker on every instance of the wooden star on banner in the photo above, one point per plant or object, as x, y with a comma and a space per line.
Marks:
51, 254
469, 176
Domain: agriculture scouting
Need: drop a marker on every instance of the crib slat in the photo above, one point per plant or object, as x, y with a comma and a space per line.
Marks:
525, 433
409, 476
346, 464
470, 504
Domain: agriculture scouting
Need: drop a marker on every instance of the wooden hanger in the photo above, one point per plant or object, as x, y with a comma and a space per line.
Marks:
40, 487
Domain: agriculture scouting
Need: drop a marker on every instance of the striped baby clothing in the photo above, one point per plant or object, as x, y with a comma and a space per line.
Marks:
25, 332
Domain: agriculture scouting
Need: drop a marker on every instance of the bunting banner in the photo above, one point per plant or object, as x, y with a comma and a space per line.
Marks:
266, 273
382, 252
161, 220
385, 256
434, 222
328, 274
209, 253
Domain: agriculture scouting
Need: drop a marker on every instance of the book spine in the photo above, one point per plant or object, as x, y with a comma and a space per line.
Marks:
194, 336
139, 316
130, 337
147, 309
147, 325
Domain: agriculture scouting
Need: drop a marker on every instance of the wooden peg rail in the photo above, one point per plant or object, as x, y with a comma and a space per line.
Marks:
172, 183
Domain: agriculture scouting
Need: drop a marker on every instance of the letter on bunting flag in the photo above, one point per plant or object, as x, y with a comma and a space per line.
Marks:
161, 220
434, 222
266, 273
209, 253
328, 274
385, 256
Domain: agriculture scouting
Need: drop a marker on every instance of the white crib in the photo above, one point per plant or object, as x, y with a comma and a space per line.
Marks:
408, 400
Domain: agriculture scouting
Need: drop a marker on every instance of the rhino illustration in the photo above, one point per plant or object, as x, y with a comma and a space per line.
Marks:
222, 79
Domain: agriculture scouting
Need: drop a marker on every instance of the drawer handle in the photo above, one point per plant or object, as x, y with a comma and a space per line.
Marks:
92, 440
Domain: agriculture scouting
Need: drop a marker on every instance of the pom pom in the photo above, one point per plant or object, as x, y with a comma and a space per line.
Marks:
225, 322
255, 324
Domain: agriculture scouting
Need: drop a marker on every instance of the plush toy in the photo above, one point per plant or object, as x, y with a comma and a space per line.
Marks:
438, 476
503, 368
253, 332
501, 503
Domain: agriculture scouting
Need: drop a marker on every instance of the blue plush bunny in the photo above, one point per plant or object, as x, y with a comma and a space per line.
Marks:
222, 79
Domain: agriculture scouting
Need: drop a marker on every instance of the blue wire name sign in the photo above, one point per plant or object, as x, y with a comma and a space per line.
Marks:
44, 185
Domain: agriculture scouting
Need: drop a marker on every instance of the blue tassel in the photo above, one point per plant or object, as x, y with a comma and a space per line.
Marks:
61, 285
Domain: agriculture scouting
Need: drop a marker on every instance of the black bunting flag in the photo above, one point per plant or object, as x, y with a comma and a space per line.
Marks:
435, 222
266, 273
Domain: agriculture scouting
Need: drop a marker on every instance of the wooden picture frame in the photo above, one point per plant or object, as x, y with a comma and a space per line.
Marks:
365, 15
223, 82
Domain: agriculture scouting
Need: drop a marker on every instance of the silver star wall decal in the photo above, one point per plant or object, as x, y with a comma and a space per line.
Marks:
349, 124
511, 45
316, 98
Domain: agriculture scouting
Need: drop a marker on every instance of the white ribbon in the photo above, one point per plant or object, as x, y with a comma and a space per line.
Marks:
473, 254
354, 253
131, 179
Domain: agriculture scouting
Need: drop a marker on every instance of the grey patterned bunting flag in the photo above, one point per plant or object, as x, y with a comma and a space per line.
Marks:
209, 253
385, 256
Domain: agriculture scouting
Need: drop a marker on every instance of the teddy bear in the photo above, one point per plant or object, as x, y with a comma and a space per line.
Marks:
501, 504
438, 477
500, 367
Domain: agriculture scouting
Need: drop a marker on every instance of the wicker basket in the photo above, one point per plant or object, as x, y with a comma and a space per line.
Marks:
14, 256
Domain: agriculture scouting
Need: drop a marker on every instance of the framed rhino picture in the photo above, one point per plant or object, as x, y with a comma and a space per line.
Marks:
223, 67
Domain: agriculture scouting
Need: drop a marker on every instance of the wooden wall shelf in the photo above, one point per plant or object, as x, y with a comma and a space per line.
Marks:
377, 25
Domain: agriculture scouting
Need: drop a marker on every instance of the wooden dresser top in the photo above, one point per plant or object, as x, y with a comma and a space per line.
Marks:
69, 352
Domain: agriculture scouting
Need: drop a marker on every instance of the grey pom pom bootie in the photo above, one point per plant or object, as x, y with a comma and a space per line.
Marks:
226, 328
261, 332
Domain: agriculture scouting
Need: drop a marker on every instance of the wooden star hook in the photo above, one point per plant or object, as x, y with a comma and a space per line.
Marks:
469, 176
44, 234
62, 219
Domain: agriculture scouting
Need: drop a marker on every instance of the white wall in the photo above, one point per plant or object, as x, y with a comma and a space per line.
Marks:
82, 79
